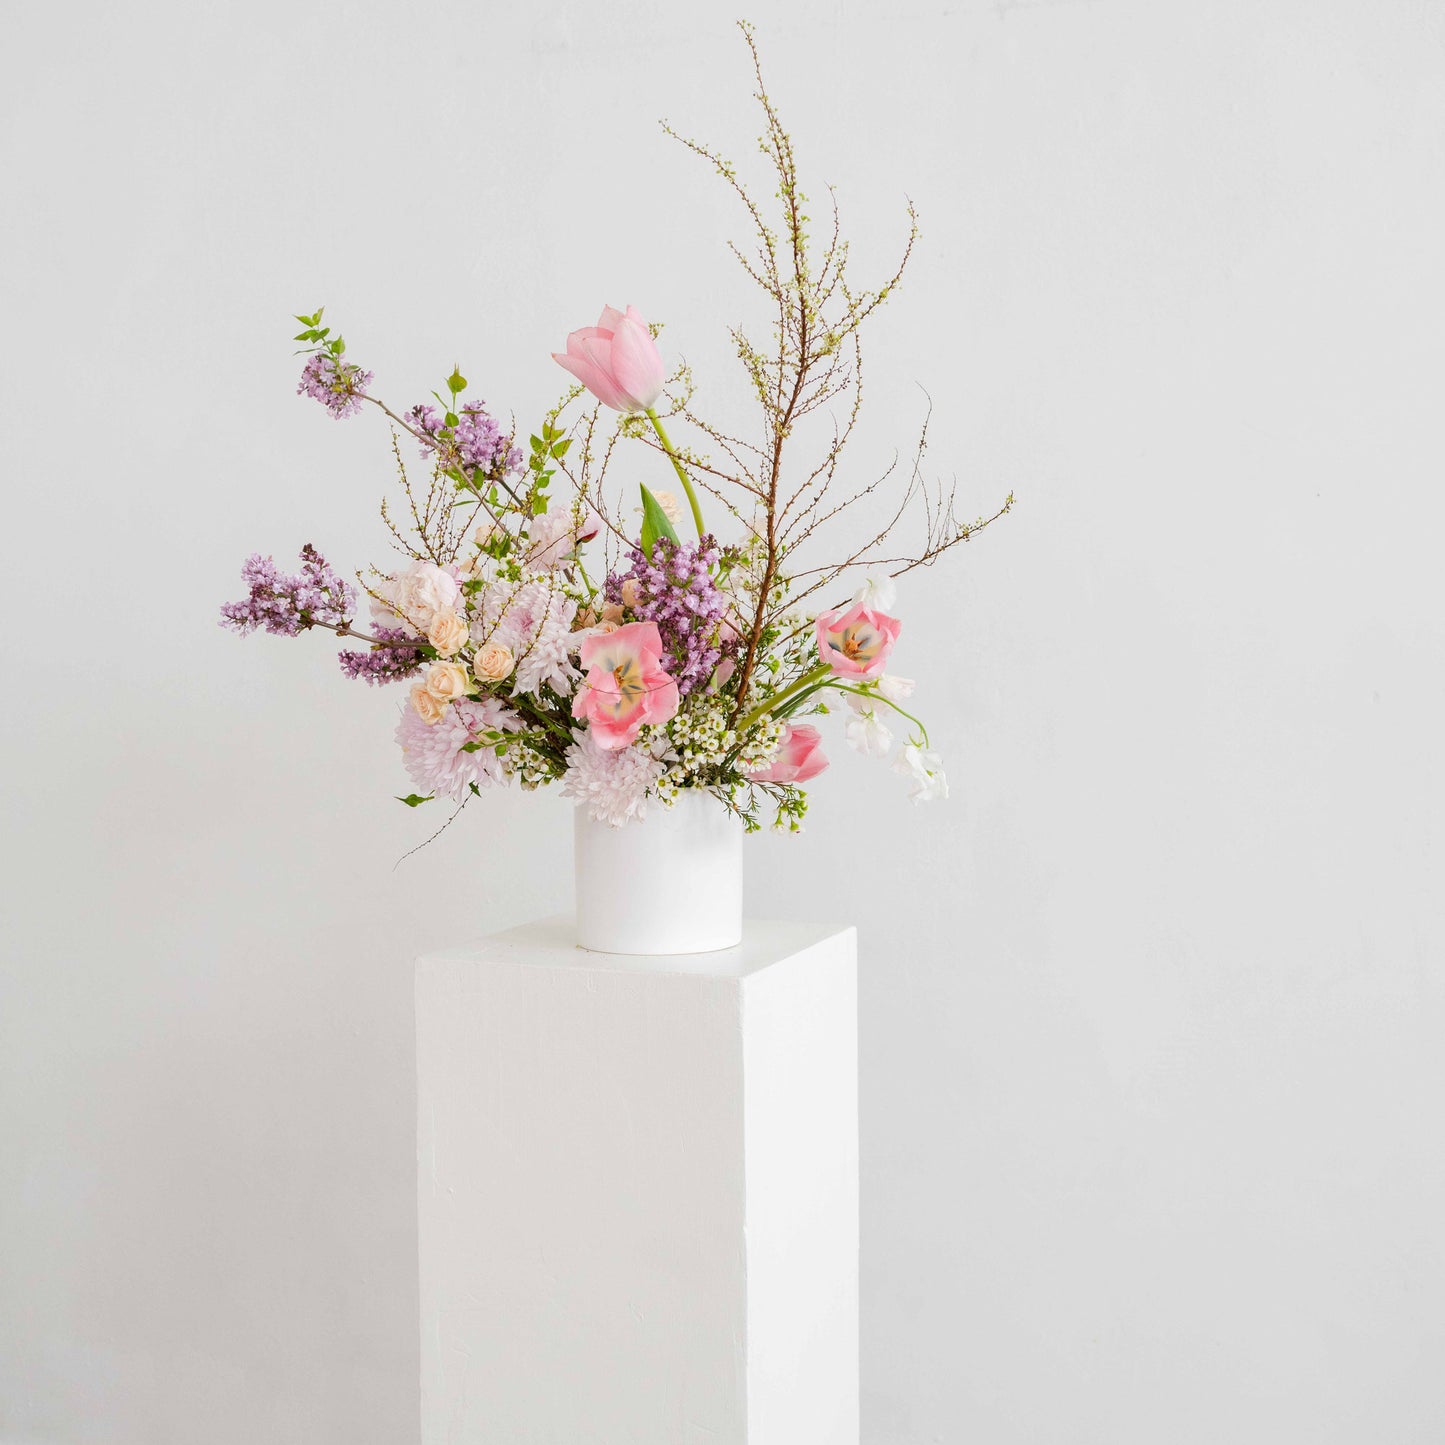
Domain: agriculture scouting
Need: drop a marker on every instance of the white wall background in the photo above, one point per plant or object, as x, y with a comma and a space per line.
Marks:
1152, 1066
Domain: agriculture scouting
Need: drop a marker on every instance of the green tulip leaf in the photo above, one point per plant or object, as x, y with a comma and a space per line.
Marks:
654, 523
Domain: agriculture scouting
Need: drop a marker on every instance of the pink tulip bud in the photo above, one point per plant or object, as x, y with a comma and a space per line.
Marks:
617, 360
799, 757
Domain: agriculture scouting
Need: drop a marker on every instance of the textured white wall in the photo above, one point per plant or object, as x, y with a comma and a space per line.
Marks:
1151, 1065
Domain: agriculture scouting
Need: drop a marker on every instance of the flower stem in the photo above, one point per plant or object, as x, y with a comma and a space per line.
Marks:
679, 469
878, 697
795, 702
778, 699
347, 630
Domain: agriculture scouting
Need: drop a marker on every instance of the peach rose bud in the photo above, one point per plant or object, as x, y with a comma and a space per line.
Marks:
447, 633
428, 708
446, 681
493, 662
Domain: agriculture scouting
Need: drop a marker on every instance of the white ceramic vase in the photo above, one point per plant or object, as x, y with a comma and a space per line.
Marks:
669, 883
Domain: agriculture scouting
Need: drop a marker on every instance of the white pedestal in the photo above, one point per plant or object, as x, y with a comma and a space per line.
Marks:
638, 1192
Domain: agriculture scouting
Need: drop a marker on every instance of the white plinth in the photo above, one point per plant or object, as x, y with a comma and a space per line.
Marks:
638, 1192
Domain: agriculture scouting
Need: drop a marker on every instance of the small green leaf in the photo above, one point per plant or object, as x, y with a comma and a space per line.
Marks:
456, 382
560, 450
654, 522
451, 418
415, 800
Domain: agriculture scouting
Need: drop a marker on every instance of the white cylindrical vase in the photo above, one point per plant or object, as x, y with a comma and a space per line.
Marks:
671, 882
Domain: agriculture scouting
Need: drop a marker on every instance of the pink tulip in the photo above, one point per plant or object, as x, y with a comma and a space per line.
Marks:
626, 684
617, 360
799, 757
855, 641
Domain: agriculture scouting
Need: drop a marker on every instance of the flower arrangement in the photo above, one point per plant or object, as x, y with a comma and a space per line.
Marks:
630, 651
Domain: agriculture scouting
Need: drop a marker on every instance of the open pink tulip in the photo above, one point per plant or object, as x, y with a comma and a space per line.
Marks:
799, 757
617, 360
855, 641
626, 684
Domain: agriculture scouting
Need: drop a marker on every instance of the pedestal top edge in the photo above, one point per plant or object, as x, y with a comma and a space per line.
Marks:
551, 943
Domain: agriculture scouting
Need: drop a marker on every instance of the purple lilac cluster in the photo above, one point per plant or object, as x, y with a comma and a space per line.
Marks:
391, 662
336, 384
475, 445
675, 589
286, 605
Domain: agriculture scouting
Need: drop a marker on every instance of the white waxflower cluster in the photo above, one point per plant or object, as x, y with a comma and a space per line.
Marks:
703, 745
761, 745
522, 762
792, 808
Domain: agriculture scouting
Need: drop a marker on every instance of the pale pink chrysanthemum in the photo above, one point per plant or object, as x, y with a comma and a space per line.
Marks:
611, 783
535, 621
434, 752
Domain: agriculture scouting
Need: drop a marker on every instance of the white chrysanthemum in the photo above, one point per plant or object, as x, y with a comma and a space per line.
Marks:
434, 752
611, 783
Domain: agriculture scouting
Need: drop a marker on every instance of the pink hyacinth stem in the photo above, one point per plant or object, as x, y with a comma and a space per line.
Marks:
679, 469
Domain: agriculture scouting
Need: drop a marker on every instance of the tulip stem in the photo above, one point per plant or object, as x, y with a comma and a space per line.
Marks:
679, 469
878, 697
778, 699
